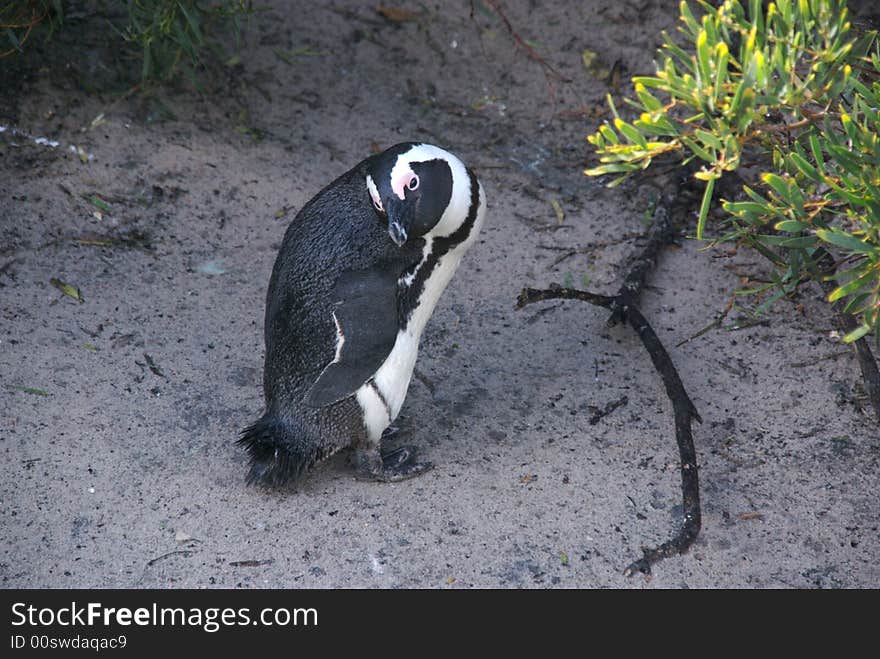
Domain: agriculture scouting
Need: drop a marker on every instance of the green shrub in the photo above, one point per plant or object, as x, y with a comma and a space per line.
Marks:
171, 36
19, 19
793, 86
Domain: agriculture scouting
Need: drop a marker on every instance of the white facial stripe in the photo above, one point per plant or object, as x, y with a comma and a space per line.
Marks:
374, 192
460, 201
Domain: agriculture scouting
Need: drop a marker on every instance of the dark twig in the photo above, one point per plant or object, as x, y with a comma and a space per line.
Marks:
556, 292
685, 412
181, 552
589, 248
530, 52
154, 367
846, 324
660, 234
715, 323
599, 414
252, 563
623, 308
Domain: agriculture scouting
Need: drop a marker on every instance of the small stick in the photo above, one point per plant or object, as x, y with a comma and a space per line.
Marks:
715, 323
530, 52
182, 552
623, 308
598, 415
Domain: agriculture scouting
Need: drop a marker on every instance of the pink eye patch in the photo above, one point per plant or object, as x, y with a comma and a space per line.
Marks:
406, 179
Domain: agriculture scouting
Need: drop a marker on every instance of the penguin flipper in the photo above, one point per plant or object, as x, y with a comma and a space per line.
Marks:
365, 315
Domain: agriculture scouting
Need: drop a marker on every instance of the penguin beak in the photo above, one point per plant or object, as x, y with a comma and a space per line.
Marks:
397, 233
398, 221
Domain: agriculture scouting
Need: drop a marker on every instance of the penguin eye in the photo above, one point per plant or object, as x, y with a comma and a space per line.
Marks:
413, 183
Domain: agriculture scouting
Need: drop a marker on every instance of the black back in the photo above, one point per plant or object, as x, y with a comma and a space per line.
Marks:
335, 234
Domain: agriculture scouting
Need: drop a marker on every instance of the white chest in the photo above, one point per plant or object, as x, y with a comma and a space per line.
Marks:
382, 397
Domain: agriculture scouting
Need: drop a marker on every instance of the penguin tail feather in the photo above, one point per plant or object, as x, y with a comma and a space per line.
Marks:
277, 455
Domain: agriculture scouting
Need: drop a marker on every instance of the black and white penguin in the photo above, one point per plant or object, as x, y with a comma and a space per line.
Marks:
358, 274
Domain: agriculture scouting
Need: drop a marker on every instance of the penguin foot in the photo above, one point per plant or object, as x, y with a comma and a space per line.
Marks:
389, 432
390, 467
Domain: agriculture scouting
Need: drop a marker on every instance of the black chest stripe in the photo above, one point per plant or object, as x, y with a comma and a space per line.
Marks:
439, 247
381, 396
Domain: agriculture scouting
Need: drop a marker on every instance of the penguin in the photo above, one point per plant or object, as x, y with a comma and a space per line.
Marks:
358, 274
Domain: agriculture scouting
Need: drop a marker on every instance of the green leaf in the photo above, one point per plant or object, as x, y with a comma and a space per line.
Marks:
745, 113
804, 167
283, 55
758, 199
758, 244
67, 289
614, 168
699, 151
850, 128
649, 101
799, 242
658, 125
709, 139
847, 241
746, 207
192, 20
704, 208
779, 185
722, 54
688, 18
31, 390
760, 70
704, 69
647, 81
769, 302
791, 226
609, 134
853, 286
756, 12
774, 240
630, 132
97, 202
857, 334
854, 306
850, 197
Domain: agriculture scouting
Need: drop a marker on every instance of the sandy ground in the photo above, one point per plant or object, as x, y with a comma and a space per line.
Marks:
118, 415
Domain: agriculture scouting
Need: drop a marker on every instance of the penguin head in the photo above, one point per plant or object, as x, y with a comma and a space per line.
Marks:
418, 190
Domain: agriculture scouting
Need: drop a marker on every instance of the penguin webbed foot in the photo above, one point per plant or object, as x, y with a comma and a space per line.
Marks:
389, 467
